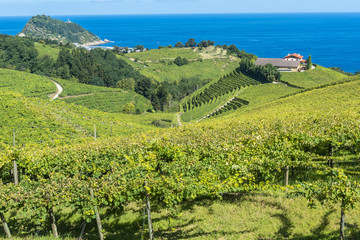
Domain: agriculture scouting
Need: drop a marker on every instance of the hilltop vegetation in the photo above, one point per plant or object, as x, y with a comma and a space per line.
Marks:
45, 27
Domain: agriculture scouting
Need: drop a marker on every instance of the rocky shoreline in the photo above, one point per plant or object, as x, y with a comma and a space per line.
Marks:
96, 43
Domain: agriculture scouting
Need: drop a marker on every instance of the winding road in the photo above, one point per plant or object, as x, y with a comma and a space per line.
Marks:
58, 91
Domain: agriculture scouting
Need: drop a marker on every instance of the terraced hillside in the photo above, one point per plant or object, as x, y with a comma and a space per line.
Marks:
92, 97
102, 98
256, 94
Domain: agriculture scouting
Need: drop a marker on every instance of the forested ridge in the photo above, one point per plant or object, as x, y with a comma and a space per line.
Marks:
45, 27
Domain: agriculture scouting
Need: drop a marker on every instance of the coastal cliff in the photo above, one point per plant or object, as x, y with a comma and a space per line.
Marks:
45, 27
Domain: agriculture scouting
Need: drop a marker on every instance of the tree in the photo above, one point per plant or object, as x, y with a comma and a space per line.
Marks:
309, 63
336, 189
140, 47
126, 84
179, 45
191, 43
129, 108
180, 61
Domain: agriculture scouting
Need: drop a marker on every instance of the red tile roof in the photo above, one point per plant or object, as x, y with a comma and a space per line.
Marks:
295, 55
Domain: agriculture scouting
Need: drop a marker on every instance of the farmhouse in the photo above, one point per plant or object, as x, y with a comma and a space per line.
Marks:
290, 63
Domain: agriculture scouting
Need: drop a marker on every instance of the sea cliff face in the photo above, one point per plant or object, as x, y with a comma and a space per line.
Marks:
45, 27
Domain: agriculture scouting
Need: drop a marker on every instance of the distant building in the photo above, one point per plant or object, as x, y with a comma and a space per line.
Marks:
290, 63
295, 57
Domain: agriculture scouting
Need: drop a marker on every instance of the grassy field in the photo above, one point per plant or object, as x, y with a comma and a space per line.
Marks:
74, 88
264, 93
47, 50
101, 98
210, 69
313, 78
156, 55
30, 85
208, 63
269, 215
337, 98
57, 122
113, 102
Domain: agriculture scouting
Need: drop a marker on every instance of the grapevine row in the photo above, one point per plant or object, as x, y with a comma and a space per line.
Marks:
189, 164
226, 84
233, 104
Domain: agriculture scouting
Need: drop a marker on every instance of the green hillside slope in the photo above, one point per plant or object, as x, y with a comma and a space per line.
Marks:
30, 85
102, 98
48, 50
209, 63
42, 121
93, 97
262, 94
313, 78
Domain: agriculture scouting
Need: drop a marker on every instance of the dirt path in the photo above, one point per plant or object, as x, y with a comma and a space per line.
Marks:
59, 90
76, 96
178, 116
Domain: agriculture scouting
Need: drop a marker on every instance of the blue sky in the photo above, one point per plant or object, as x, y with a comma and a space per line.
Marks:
104, 7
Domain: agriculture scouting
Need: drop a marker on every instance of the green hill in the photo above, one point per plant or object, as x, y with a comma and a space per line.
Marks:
45, 27
256, 94
30, 85
102, 98
313, 78
209, 63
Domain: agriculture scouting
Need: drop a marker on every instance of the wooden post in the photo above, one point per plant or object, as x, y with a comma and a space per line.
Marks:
83, 226
143, 225
6, 227
286, 179
16, 177
98, 219
111, 130
53, 222
342, 224
148, 210
95, 132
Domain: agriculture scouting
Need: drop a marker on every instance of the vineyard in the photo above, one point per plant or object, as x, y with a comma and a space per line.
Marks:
29, 85
269, 160
234, 80
313, 78
112, 102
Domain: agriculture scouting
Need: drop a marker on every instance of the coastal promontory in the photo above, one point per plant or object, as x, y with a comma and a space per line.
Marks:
42, 26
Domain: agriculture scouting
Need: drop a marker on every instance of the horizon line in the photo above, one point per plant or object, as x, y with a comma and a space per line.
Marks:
149, 14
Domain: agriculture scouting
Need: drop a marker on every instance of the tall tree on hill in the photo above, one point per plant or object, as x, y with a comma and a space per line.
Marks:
191, 43
179, 45
309, 63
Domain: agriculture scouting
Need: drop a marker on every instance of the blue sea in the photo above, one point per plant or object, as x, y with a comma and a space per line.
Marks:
333, 39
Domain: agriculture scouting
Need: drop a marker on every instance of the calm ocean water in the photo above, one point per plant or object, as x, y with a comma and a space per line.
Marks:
333, 39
